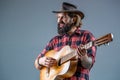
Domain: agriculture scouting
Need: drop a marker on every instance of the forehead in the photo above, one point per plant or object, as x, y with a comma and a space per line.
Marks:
61, 14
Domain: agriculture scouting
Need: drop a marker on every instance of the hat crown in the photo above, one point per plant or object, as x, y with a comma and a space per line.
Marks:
68, 6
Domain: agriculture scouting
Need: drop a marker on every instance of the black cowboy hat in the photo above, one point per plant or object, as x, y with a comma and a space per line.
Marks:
70, 8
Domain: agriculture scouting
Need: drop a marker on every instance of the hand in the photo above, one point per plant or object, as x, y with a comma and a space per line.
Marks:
81, 52
47, 61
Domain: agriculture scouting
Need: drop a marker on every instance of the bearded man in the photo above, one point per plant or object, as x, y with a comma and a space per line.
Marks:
70, 34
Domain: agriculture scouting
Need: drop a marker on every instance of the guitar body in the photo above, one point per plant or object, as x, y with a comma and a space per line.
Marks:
59, 72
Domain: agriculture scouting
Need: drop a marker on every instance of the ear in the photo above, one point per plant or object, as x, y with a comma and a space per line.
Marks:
78, 21
74, 19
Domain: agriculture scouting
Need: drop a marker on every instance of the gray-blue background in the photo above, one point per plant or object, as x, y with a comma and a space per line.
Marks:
27, 25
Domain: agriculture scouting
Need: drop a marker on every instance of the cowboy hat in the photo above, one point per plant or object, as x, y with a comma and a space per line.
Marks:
70, 8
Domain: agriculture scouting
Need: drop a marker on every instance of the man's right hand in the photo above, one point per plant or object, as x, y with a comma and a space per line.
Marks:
47, 61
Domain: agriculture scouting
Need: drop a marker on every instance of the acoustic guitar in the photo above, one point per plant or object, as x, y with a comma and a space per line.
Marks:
66, 64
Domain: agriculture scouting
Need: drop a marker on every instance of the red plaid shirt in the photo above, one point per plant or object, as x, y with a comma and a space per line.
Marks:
74, 40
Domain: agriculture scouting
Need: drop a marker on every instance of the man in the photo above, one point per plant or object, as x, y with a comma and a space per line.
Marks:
69, 33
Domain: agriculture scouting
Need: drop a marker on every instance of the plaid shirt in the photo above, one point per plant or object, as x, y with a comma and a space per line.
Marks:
74, 40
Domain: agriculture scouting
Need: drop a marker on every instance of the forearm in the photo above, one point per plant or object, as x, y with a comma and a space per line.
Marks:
86, 61
37, 64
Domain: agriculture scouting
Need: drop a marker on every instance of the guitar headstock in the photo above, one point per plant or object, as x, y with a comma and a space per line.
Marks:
104, 39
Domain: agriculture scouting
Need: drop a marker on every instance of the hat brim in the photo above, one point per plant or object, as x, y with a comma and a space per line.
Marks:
71, 11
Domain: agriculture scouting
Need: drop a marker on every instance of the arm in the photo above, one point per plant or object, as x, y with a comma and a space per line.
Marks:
38, 61
87, 57
86, 61
37, 64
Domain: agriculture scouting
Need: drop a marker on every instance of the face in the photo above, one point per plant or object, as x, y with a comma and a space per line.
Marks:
65, 23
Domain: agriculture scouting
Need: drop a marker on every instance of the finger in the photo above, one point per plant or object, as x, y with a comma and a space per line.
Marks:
50, 58
48, 64
78, 51
47, 60
81, 52
84, 51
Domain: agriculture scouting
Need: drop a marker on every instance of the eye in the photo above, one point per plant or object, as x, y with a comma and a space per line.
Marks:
64, 16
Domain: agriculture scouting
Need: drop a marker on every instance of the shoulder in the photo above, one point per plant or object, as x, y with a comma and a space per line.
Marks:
81, 31
85, 32
88, 34
55, 38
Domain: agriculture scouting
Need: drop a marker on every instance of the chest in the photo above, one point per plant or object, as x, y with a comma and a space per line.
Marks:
73, 41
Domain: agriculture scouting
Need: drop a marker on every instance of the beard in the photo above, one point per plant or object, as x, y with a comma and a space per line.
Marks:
64, 29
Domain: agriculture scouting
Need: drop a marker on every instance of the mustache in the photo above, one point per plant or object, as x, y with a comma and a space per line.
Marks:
61, 23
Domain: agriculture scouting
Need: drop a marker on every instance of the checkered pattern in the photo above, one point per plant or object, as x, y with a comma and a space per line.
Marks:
74, 40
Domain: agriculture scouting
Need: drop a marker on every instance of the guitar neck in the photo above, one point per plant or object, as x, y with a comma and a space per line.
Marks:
102, 40
67, 57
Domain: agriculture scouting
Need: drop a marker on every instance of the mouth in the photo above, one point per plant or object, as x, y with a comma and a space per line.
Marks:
61, 25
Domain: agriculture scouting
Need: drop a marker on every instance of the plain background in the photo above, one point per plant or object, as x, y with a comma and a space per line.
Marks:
26, 26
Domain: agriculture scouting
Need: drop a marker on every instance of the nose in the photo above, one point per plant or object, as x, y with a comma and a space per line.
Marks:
59, 19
